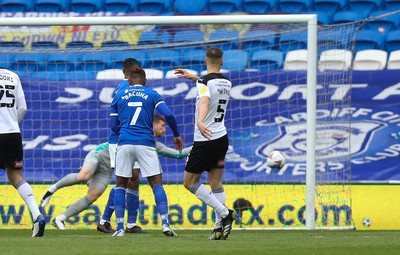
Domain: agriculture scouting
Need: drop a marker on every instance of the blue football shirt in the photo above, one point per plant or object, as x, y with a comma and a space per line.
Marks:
113, 137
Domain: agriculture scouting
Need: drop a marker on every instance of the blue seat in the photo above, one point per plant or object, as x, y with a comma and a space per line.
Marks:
44, 45
392, 41
85, 6
79, 44
235, 60
393, 5
289, 42
95, 62
383, 23
294, 6
62, 62
28, 62
369, 39
190, 6
114, 43
259, 6
347, 16
153, 37
365, 6
329, 6
323, 17
267, 60
80, 75
50, 5
119, 57
193, 59
6, 59
11, 45
256, 39
191, 38
224, 6
164, 60
155, 6
16, 5
120, 5
328, 39
224, 39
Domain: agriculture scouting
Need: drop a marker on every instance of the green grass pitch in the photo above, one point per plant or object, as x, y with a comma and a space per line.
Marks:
193, 242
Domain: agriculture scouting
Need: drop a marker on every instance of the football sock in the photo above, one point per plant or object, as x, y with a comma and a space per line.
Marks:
26, 193
108, 211
221, 196
119, 203
208, 197
77, 207
132, 203
68, 180
161, 202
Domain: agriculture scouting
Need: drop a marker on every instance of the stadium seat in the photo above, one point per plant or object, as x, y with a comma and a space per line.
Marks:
224, 6
394, 60
392, 5
119, 57
382, 23
369, 39
365, 6
332, 39
294, 6
6, 59
163, 60
153, 37
110, 74
392, 41
28, 62
259, 6
370, 60
347, 16
292, 41
224, 39
153, 74
11, 44
266, 60
155, 6
16, 5
50, 5
257, 39
329, 6
80, 75
62, 62
85, 6
190, 6
235, 60
79, 44
323, 17
120, 5
95, 62
171, 75
193, 59
193, 38
114, 43
296, 60
44, 45
335, 60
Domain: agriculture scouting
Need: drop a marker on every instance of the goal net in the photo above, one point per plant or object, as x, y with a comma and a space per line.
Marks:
70, 68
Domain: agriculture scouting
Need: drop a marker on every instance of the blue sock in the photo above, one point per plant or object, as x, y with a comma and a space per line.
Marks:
119, 201
161, 202
108, 211
132, 202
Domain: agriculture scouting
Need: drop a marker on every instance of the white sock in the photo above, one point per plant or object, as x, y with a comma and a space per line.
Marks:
209, 198
26, 192
61, 217
130, 225
102, 222
221, 196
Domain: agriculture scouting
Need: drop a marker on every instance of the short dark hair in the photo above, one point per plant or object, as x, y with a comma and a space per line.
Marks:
157, 118
137, 73
214, 53
129, 64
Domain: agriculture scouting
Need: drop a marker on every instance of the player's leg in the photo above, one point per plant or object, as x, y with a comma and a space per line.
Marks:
151, 169
215, 181
125, 158
104, 225
132, 201
11, 156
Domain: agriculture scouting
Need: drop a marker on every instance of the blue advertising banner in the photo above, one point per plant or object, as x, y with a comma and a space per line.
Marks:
66, 119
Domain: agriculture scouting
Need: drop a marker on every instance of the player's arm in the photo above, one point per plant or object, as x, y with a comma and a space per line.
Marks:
182, 73
170, 118
203, 109
21, 108
114, 122
165, 151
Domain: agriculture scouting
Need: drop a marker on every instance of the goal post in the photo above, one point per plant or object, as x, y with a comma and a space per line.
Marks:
305, 24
